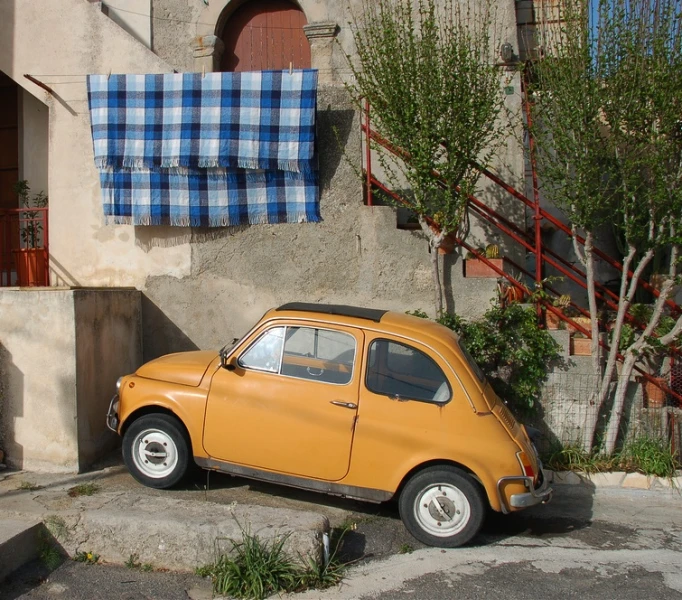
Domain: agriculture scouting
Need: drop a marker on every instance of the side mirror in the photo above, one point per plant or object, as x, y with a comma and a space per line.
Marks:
230, 365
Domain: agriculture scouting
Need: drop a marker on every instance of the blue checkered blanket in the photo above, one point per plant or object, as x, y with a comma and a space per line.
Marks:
213, 150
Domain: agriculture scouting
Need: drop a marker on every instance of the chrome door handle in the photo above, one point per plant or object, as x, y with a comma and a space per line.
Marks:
344, 404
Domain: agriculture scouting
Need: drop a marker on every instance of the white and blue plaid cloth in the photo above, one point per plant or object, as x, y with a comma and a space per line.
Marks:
206, 150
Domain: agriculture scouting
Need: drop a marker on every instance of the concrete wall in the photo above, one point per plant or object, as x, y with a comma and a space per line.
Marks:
61, 352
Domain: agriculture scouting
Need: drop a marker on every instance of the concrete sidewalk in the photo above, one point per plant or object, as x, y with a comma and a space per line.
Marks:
122, 519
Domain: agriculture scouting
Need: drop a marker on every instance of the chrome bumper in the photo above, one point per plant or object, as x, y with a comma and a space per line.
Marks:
540, 495
112, 414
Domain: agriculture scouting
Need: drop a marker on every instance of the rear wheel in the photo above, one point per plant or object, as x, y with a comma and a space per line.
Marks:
156, 451
442, 506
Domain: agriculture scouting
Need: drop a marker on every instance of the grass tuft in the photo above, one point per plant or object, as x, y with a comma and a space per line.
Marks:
647, 455
27, 486
255, 569
84, 489
56, 526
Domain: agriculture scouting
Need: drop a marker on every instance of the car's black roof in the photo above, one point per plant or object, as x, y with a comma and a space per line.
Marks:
371, 314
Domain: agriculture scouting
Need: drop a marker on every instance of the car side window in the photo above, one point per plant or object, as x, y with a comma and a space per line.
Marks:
318, 355
402, 371
266, 352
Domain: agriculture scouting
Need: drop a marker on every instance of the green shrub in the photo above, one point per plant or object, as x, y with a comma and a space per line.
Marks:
651, 456
647, 455
510, 348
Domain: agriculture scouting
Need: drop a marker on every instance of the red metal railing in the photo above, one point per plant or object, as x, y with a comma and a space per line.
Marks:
531, 244
24, 247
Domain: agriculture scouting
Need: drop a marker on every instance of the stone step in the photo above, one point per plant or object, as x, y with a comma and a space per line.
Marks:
19, 543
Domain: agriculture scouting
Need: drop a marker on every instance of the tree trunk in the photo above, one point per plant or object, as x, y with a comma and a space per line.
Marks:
435, 241
616, 414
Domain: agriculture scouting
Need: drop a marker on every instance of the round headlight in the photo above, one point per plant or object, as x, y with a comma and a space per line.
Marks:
118, 384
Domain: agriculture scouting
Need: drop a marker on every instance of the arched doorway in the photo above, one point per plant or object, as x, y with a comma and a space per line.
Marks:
265, 34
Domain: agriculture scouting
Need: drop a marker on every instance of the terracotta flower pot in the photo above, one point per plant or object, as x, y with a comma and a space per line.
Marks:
31, 266
654, 396
474, 267
581, 346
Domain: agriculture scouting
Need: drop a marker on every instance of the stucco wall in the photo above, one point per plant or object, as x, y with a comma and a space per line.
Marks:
61, 352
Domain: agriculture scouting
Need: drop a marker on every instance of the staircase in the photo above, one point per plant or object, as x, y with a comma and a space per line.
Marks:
531, 245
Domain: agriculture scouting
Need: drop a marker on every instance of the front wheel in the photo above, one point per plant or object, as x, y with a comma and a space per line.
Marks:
156, 451
442, 506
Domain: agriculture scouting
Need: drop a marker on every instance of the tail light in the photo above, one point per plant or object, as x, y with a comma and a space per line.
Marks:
526, 464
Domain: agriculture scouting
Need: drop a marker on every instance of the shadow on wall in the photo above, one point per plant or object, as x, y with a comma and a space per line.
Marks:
11, 407
334, 129
159, 334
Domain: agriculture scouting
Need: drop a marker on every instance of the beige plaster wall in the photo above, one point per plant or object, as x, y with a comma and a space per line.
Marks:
38, 380
61, 352
134, 16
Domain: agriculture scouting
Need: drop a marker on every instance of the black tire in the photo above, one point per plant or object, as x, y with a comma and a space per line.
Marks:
442, 506
156, 451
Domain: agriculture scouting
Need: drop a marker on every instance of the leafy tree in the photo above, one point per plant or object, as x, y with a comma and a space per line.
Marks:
608, 109
428, 72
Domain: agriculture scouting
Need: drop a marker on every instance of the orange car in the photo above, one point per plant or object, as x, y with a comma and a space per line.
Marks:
356, 402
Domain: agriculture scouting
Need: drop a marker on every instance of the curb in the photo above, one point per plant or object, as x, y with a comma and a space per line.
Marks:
19, 543
616, 479
168, 533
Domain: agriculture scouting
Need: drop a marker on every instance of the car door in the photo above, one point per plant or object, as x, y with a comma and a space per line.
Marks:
288, 401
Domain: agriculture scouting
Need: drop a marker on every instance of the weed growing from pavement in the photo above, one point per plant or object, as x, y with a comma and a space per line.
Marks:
50, 557
133, 561
256, 568
27, 486
89, 558
56, 526
405, 549
49, 554
84, 489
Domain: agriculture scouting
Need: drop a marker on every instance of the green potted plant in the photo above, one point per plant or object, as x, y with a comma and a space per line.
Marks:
552, 320
31, 258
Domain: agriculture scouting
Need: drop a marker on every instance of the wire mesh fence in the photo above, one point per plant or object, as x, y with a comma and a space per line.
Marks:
569, 408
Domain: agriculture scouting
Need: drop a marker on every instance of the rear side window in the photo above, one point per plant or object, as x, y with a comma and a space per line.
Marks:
404, 372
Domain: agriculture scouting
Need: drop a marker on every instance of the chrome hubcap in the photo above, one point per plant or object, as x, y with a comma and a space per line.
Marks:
442, 510
154, 453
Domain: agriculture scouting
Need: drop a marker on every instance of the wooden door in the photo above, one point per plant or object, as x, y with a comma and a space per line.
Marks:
265, 34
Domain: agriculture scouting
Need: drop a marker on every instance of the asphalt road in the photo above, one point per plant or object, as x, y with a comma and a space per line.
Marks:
605, 543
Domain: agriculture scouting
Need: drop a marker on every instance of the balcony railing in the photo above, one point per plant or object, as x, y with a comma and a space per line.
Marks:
24, 254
